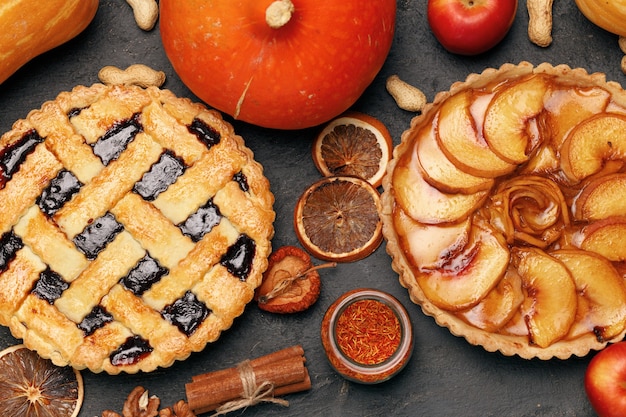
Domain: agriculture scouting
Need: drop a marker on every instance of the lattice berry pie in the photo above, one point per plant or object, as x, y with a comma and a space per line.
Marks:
505, 214
134, 228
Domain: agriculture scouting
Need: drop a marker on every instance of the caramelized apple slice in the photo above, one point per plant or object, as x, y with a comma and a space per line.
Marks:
508, 117
591, 143
468, 278
550, 306
544, 161
601, 292
430, 246
499, 306
567, 107
601, 198
440, 172
426, 204
458, 138
606, 237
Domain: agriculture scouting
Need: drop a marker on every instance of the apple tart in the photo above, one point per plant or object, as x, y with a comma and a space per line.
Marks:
135, 227
504, 210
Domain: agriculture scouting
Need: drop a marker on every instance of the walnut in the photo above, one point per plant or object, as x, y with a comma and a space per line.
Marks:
138, 404
180, 409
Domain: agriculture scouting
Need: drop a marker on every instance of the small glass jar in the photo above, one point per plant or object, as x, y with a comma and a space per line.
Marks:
367, 335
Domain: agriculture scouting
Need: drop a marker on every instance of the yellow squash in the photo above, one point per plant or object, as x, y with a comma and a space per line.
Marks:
608, 14
32, 27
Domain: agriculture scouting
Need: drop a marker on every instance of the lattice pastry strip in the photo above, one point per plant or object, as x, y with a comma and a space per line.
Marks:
38, 318
203, 179
26, 185
95, 351
120, 246
17, 281
217, 287
112, 264
116, 180
235, 206
163, 240
170, 134
114, 106
50, 244
190, 270
164, 338
52, 123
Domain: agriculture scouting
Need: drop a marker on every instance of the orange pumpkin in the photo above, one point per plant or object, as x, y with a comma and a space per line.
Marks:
297, 71
609, 15
30, 28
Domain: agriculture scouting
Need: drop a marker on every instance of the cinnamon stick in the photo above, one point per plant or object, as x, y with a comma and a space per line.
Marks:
290, 352
284, 369
305, 385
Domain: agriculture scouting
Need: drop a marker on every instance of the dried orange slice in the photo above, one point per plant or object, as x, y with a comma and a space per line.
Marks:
31, 386
338, 219
356, 145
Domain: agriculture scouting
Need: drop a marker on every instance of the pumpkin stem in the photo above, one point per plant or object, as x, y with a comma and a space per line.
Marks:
279, 13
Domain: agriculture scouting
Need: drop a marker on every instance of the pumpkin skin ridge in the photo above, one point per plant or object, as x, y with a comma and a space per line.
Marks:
330, 51
29, 30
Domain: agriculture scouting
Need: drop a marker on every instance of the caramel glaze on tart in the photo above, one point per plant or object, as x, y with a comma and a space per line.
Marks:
504, 210
135, 227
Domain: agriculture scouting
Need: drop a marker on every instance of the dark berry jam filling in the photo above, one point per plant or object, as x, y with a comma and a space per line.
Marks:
205, 133
186, 313
202, 221
59, 192
49, 286
114, 141
10, 243
161, 175
240, 178
13, 155
143, 275
74, 112
95, 320
131, 352
238, 258
97, 235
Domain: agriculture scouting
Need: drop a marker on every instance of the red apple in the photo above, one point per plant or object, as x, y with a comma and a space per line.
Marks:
470, 27
605, 381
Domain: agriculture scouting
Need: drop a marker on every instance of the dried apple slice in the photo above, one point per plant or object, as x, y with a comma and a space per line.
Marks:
606, 237
290, 283
550, 306
506, 127
431, 246
499, 306
465, 280
426, 204
602, 309
591, 143
458, 138
601, 198
440, 172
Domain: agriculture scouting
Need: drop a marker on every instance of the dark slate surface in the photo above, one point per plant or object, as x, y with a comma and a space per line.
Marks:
446, 375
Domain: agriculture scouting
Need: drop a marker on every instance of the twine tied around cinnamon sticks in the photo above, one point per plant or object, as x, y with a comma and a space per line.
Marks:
249, 383
252, 393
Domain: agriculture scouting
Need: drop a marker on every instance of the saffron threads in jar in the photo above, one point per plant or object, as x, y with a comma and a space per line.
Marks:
368, 332
367, 336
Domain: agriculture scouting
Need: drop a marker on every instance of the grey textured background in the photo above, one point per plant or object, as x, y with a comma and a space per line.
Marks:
446, 376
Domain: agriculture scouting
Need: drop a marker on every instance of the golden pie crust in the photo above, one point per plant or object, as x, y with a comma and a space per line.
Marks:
529, 208
136, 226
